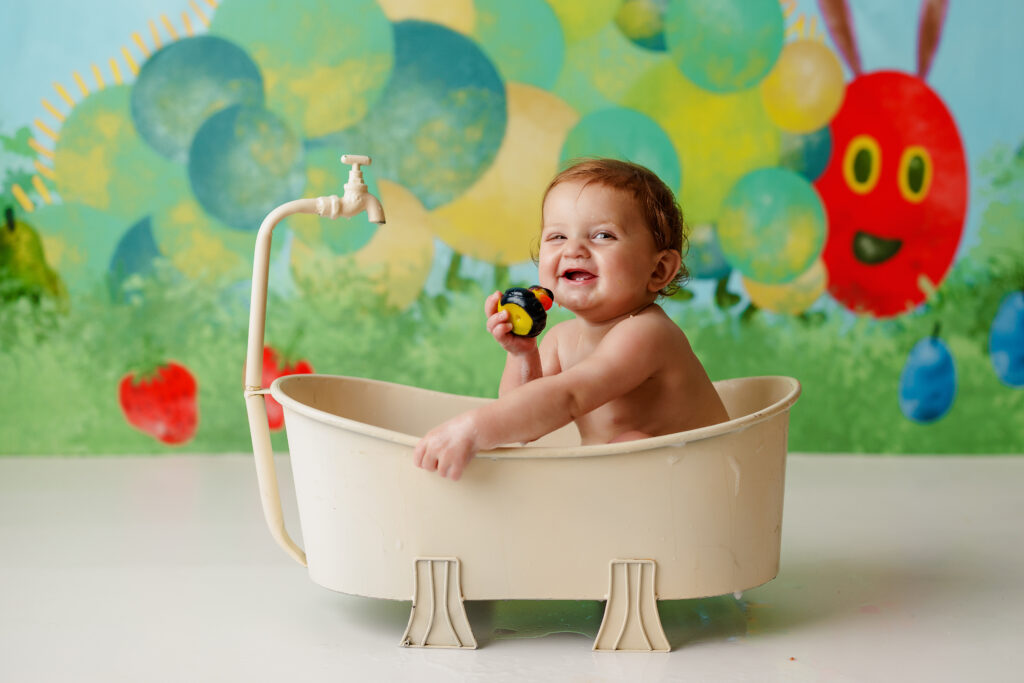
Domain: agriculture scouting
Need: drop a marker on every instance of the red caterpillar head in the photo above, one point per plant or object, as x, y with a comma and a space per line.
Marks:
895, 189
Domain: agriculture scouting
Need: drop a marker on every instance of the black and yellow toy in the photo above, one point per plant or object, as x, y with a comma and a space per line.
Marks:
527, 309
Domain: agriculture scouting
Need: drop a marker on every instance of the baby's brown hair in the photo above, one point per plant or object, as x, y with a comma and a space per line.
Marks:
655, 200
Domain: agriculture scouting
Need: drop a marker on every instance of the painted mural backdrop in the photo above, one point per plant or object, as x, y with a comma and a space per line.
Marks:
828, 202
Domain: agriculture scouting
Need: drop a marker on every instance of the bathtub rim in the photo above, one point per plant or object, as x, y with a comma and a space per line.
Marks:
279, 387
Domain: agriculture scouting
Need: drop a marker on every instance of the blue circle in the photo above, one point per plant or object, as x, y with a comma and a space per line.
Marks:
185, 83
439, 123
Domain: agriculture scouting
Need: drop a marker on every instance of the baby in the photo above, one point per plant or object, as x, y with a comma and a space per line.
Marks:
610, 244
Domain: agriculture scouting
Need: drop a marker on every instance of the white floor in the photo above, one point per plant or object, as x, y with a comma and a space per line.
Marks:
161, 569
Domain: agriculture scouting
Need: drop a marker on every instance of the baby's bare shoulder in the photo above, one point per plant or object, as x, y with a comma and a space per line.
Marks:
654, 324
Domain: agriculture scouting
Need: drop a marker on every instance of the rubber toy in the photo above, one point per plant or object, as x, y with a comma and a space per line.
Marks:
527, 309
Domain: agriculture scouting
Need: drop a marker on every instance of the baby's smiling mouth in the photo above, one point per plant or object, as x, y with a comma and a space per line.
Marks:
578, 275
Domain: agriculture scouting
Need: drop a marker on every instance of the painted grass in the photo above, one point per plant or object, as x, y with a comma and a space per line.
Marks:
61, 371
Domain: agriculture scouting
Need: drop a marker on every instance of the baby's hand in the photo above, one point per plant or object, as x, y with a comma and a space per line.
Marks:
448, 447
500, 327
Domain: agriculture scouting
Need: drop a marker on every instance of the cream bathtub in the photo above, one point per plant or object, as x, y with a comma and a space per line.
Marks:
686, 515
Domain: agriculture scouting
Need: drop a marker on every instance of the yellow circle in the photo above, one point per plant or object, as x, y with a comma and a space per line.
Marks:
793, 297
862, 164
719, 138
804, 89
497, 218
915, 176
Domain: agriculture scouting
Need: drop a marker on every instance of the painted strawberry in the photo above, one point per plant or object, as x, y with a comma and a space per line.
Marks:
271, 371
162, 404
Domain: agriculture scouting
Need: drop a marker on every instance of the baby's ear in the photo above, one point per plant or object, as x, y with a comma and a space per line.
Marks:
665, 269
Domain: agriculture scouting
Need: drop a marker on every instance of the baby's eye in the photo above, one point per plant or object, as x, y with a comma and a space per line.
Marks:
604, 235
554, 237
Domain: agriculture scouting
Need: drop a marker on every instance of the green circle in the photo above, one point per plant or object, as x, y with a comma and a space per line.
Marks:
628, 135
772, 225
323, 63
500, 27
724, 45
101, 161
86, 237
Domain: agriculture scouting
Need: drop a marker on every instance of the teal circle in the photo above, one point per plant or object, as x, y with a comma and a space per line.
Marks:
806, 154
625, 134
243, 163
724, 45
500, 27
439, 123
643, 22
185, 83
772, 225
705, 259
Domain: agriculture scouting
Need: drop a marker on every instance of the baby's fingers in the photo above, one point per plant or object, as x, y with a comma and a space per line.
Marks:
497, 320
491, 303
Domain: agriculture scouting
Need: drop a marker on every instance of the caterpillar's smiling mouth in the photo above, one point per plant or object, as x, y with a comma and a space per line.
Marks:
872, 250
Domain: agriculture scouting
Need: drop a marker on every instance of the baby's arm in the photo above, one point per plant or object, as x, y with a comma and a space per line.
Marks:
626, 357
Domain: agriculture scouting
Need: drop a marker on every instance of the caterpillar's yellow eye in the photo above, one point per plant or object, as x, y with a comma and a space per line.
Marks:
862, 163
915, 176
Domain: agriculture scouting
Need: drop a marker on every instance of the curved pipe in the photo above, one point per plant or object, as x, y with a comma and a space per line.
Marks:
254, 392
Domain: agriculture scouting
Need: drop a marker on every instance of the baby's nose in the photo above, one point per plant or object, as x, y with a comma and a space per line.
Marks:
575, 246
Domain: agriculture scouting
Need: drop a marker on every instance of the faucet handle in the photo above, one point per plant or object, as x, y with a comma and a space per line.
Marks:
356, 160
355, 175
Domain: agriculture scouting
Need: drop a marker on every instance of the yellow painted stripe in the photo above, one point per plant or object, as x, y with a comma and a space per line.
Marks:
131, 62
199, 12
212, 3
64, 94
169, 26
797, 27
46, 130
141, 43
37, 182
188, 24
787, 7
45, 170
34, 144
22, 198
98, 75
81, 83
156, 34
813, 31
53, 110
116, 70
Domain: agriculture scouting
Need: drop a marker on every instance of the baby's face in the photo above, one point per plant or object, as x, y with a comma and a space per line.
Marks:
596, 252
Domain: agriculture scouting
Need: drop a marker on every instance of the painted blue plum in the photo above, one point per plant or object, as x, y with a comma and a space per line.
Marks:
928, 381
1006, 341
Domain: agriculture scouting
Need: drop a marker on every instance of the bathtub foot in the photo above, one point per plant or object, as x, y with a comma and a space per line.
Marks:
631, 621
438, 617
